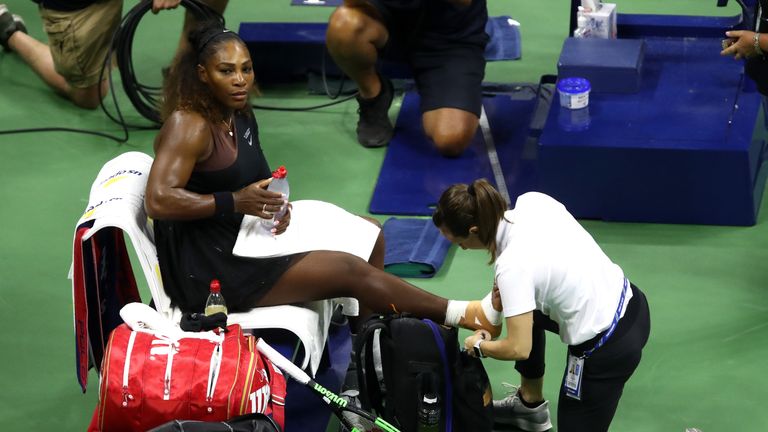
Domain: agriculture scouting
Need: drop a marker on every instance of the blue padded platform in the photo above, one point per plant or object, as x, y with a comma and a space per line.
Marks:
688, 148
610, 65
284, 52
414, 174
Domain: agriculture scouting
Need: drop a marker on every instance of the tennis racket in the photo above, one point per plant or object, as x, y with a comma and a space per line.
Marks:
359, 421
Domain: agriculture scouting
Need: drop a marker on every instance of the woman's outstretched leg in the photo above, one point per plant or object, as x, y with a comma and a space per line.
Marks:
324, 274
377, 260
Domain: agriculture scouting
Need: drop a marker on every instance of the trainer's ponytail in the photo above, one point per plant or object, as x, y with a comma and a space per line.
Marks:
478, 204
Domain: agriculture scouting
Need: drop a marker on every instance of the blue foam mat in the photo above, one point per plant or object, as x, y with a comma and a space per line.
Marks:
414, 247
414, 175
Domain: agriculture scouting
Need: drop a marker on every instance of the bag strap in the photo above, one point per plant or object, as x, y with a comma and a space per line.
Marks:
370, 391
446, 375
250, 419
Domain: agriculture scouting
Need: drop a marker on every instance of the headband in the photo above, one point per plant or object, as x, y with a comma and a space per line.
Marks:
208, 40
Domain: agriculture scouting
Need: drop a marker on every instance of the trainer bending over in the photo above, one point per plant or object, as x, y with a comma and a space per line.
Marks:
551, 275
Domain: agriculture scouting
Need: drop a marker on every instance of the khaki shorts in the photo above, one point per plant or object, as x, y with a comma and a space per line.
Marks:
80, 40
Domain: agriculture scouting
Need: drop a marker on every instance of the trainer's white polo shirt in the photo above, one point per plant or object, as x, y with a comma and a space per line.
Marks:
547, 261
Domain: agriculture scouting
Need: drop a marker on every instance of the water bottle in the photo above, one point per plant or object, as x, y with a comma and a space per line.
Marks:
215, 302
429, 414
582, 28
279, 184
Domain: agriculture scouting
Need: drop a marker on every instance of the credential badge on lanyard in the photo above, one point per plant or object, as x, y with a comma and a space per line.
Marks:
573, 375
572, 385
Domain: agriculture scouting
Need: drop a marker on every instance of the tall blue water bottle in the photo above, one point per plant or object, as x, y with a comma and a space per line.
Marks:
429, 413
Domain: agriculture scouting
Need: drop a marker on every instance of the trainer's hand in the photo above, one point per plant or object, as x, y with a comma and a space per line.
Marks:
256, 200
158, 5
469, 342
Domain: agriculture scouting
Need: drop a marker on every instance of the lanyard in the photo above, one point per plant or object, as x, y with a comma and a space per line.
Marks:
615, 322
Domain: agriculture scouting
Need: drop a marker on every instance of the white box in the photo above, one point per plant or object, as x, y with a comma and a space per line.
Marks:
602, 23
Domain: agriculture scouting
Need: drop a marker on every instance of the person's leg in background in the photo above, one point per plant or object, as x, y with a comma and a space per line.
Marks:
78, 44
449, 80
356, 33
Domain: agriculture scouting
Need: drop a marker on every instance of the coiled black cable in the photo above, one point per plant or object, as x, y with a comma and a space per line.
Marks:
144, 98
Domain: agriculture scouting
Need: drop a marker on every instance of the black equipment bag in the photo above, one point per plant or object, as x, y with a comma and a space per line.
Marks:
400, 358
245, 423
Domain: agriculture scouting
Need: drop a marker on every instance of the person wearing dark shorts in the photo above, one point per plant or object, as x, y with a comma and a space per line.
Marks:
443, 41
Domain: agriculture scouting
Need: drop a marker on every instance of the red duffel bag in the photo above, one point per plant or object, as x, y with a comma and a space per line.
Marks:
149, 378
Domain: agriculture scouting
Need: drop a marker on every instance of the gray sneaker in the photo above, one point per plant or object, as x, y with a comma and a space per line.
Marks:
510, 411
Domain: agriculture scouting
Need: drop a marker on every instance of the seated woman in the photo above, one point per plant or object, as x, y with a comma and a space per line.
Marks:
209, 171
550, 275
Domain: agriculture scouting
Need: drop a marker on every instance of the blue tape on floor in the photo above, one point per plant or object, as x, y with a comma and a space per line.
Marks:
414, 174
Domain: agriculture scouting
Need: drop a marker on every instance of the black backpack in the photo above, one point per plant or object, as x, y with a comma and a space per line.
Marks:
245, 423
400, 358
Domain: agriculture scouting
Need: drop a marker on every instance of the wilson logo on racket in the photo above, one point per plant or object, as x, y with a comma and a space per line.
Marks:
331, 395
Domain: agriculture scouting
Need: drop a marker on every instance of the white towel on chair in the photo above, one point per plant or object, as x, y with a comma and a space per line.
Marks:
315, 225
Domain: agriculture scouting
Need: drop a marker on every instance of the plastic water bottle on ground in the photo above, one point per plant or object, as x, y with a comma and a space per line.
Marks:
215, 302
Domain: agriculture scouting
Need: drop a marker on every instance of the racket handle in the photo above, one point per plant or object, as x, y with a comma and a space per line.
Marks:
283, 363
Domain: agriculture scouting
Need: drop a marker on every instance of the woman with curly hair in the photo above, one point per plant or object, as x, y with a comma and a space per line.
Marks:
209, 171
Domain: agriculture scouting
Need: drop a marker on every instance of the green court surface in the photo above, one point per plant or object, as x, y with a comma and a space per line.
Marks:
703, 367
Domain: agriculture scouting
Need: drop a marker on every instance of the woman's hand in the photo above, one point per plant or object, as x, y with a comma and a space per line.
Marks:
469, 342
740, 44
282, 224
256, 200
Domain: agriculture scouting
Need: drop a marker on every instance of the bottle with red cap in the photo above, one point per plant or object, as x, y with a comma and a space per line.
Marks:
279, 184
215, 302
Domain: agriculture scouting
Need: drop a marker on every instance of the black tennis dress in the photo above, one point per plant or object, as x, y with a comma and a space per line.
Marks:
192, 253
